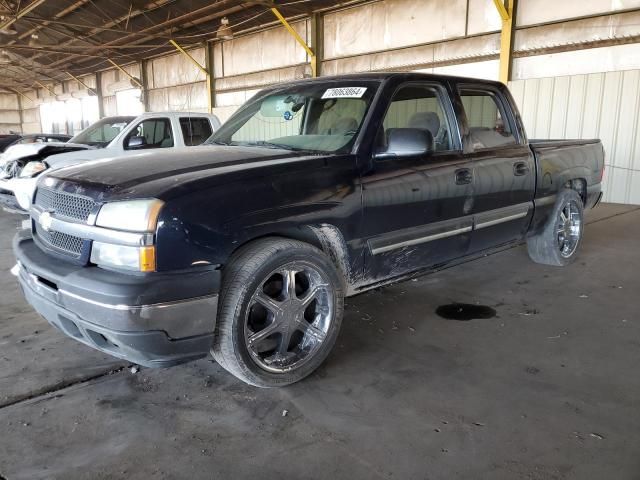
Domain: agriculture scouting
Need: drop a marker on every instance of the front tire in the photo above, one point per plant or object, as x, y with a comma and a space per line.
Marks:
279, 314
560, 240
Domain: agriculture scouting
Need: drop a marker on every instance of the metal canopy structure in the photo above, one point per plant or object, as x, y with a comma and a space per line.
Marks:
42, 40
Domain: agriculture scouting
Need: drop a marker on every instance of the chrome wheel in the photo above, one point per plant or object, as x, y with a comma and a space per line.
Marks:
569, 229
288, 317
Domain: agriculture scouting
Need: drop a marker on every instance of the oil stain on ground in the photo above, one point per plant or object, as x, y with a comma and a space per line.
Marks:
465, 311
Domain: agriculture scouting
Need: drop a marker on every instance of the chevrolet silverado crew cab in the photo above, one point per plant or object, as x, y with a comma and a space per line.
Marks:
21, 164
311, 192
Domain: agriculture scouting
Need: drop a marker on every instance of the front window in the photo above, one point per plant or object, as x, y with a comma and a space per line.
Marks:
417, 107
101, 133
150, 133
310, 117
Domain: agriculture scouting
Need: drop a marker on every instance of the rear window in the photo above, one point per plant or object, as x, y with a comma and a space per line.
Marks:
195, 130
488, 124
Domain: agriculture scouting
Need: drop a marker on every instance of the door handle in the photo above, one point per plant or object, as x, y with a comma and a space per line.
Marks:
463, 176
520, 169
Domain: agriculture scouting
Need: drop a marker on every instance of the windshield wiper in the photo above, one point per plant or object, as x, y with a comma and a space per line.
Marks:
281, 146
262, 143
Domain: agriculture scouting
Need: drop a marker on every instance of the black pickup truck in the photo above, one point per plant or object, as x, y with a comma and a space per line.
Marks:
313, 191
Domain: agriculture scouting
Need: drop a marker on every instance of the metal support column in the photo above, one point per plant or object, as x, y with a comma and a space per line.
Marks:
100, 94
20, 112
211, 82
145, 83
317, 42
507, 10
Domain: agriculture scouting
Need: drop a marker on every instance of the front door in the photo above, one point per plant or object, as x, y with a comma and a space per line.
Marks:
416, 207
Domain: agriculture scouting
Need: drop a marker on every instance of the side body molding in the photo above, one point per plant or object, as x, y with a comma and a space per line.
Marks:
436, 231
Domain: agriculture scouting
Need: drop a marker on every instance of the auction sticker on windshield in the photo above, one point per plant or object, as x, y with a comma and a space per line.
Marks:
345, 92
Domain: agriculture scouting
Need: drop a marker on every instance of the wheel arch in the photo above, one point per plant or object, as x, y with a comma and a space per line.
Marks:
326, 237
542, 243
579, 185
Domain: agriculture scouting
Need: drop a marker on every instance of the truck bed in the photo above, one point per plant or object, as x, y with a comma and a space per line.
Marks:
558, 161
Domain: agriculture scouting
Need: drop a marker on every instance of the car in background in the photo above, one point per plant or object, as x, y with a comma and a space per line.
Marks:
110, 137
8, 140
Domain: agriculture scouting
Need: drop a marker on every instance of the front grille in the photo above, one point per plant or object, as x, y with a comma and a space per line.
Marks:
64, 204
62, 242
68, 206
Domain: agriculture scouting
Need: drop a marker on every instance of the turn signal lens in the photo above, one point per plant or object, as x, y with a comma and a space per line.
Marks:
147, 259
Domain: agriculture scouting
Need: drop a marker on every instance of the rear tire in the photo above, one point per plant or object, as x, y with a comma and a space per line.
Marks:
560, 240
279, 313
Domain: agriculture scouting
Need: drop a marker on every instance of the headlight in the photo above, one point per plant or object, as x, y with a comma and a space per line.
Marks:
32, 169
130, 215
140, 259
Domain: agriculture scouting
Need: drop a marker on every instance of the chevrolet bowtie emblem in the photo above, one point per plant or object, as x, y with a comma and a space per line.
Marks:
45, 221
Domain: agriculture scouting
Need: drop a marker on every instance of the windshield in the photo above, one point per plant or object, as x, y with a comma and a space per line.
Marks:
310, 117
102, 132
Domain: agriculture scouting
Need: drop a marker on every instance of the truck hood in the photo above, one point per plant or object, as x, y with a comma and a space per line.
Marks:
40, 151
162, 174
76, 156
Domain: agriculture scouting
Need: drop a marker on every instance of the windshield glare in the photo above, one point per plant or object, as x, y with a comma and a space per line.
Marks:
102, 132
313, 117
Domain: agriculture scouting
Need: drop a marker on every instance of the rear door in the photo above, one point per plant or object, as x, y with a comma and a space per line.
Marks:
503, 164
416, 208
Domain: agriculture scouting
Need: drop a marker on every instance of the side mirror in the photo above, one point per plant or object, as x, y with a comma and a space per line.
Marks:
406, 142
137, 142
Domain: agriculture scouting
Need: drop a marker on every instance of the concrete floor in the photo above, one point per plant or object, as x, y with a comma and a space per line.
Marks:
547, 389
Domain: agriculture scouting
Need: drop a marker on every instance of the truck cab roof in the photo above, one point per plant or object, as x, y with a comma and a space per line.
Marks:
386, 76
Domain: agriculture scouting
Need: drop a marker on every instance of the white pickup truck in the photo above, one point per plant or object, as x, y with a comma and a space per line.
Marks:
118, 136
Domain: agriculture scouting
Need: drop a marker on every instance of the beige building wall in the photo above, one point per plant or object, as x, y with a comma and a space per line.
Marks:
597, 105
9, 113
